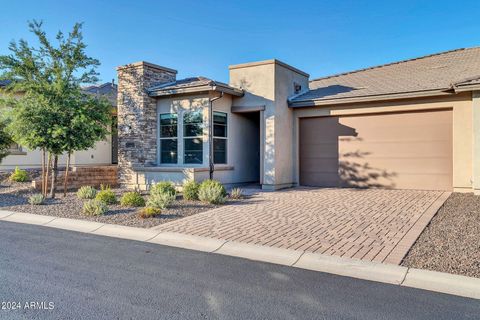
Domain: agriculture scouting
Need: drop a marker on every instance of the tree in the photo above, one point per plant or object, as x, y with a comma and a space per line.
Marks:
5, 140
53, 113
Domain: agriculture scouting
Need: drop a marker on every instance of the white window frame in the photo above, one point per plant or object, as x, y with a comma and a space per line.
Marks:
223, 138
160, 138
201, 136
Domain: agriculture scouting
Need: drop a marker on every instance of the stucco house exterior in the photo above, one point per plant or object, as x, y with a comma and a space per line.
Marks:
413, 124
104, 152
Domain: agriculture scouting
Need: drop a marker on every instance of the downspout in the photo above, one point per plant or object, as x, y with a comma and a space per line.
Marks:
210, 135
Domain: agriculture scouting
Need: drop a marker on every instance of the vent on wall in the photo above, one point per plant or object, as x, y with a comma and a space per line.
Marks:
297, 87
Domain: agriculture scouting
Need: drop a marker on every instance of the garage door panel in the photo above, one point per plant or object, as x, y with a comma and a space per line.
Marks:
394, 150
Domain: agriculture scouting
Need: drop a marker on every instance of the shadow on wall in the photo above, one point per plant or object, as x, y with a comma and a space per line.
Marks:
331, 90
330, 157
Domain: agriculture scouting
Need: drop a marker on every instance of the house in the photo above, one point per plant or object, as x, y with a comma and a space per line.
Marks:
104, 152
412, 124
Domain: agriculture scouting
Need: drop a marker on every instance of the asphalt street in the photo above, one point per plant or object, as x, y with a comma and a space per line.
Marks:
47, 273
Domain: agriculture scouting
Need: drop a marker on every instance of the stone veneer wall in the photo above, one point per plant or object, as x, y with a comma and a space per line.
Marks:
137, 116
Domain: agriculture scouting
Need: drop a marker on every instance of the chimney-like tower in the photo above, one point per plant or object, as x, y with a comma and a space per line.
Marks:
137, 116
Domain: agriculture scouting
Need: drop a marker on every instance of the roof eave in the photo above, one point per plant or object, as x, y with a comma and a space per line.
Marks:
465, 88
197, 89
384, 97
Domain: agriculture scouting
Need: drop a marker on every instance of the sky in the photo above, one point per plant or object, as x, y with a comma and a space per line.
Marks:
202, 38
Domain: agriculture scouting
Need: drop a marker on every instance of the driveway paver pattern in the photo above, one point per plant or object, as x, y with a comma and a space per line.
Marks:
369, 224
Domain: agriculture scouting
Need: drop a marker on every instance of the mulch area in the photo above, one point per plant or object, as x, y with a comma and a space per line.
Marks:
14, 197
451, 242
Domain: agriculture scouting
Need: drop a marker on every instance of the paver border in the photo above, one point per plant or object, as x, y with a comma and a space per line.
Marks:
372, 271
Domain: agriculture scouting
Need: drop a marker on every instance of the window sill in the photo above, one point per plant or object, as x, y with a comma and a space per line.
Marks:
220, 167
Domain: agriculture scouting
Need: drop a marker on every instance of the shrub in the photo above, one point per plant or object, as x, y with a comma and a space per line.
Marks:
106, 195
190, 190
86, 192
160, 200
95, 207
19, 175
149, 212
132, 199
212, 191
163, 187
236, 193
36, 199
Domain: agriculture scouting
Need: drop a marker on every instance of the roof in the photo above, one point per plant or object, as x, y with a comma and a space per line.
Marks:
3, 83
441, 73
192, 85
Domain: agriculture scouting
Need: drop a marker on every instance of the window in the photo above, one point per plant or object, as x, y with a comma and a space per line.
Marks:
193, 137
219, 138
168, 138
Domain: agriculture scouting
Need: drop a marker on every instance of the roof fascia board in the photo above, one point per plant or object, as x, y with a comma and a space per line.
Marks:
404, 95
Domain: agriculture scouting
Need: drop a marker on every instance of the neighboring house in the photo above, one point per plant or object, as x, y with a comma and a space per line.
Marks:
103, 153
413, 124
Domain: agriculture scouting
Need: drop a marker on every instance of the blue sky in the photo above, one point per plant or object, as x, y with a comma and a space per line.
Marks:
204, 37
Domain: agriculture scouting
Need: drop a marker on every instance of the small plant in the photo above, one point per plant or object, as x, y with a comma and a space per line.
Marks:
19, 175
163, 187
106, 195
148, 212
212, 191
160, 200
236, 193
36, 199
190, 190
86, 192
95, 207
132, 199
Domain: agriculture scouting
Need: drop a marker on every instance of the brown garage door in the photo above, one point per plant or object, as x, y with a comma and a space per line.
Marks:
393, 150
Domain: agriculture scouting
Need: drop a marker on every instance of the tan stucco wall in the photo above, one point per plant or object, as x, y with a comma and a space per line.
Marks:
240, 148
270, 83
101, 154
461, 104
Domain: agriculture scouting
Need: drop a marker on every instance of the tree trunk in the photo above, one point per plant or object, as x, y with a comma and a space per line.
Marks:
44, 192
65, 180
49, 164
54, 176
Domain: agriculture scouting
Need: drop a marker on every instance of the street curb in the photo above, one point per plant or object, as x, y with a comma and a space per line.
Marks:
373, 271
443, 282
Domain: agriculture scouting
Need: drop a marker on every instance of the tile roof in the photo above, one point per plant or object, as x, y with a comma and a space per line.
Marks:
439, 72
179, 86
3, 83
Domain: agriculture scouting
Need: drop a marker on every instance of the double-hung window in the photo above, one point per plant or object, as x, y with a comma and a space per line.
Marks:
220, 138
193, 137
168, 138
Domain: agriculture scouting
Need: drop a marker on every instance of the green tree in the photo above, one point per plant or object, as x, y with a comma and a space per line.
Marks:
53, 114
5, 140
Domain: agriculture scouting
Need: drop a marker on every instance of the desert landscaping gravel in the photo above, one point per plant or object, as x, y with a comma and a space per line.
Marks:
14, 197
451, 242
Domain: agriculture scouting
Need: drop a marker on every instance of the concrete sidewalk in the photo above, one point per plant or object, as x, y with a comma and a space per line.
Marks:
373, 271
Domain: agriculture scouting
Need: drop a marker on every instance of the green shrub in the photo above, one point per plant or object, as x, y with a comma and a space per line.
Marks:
36, 199
160, 200
190, 190
212, 191
19, 175
163, 187
236, 193
149, 212
95, 207
106, 195
86, 192
132, 199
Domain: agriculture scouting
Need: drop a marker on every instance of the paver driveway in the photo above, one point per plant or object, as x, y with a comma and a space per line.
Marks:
372, 224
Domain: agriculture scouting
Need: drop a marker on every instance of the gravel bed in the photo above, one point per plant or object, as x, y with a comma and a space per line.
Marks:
451, 242
14, 197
